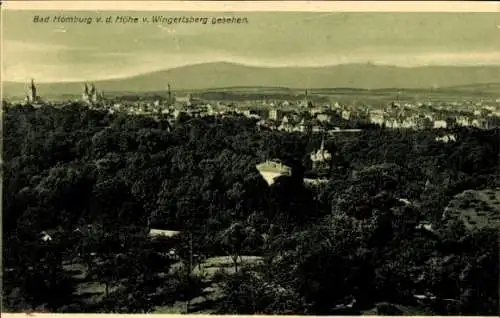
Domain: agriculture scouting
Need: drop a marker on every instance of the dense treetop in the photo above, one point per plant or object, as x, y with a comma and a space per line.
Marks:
354, 238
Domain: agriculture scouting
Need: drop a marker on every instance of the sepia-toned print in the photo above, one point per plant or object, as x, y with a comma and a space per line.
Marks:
250, 162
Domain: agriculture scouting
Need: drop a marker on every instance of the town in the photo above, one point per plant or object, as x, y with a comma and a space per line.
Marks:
306, 112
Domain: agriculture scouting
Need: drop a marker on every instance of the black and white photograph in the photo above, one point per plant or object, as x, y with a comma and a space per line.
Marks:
213, 158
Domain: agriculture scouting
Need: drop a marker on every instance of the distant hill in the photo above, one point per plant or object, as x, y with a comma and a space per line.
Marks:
348, 76
491, 88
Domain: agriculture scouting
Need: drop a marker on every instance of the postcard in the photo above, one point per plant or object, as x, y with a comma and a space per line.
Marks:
250, 158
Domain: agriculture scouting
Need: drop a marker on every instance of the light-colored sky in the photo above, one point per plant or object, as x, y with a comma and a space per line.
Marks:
51, 52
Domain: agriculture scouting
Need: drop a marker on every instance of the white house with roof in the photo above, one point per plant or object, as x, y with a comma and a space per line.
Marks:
440, 124
270, 170
45, 237
323, 118
154, 233
377, 118
446, 138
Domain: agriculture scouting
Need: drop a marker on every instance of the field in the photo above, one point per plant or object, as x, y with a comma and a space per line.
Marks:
475, 208
91, 292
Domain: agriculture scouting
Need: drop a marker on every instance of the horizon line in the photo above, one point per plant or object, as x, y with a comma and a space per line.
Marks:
291, 88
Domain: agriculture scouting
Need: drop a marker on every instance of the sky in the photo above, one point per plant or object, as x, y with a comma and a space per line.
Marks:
60, 52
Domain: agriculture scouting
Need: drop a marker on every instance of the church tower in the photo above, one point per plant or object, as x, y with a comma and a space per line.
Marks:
306, 102
85, 94
170, 96
32, 96
321, 157
93, 93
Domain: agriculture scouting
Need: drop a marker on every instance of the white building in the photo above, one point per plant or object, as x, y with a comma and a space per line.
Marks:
276, 114
323, 118
346, 114
162, 233
440, 124
446, 138
320, 157
272, 169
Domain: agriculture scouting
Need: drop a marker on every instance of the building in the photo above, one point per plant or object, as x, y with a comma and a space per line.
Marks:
170, 96
306, 102
377, 118
440, 124
276, 114
423, 122
346, 115
44, 236
462, 121
273, 169
32, 96
85, 94
189, 101
323, 118
90, 94
321, 157
479, 123
286, 124
446, 138
154, 233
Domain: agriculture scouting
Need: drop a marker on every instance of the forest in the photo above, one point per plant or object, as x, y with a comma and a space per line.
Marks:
97, 182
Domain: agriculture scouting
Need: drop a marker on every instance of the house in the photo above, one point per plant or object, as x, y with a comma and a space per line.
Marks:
184, 100
271, 170
404, 201
276, 114
45, 237
440, 124
323, 118
446, 138
50, 234
154, 233
346, 115
377, 118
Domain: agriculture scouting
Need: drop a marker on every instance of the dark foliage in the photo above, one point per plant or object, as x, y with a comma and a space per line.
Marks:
347, 246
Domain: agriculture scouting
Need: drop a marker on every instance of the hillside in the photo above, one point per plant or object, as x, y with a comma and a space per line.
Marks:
217, 75
475, 208
491, 88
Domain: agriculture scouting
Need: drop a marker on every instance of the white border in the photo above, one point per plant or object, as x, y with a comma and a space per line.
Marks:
242, 6
37, 315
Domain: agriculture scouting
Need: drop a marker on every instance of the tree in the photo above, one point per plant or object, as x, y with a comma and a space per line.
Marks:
236, 239
36, 278
247, 293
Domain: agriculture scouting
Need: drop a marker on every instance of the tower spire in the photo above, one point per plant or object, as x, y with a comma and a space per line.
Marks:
306, 102
32, 96
171, 98
93, 93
